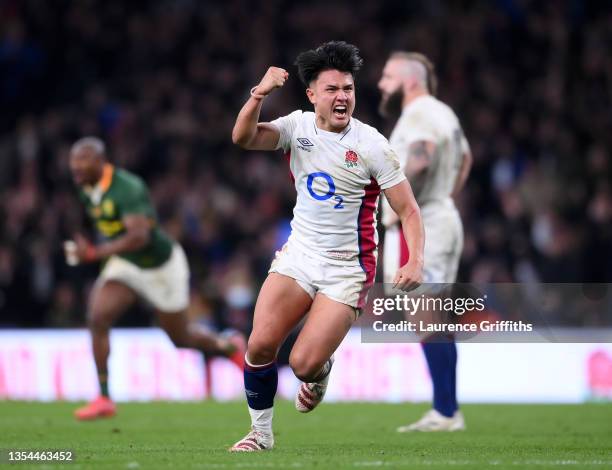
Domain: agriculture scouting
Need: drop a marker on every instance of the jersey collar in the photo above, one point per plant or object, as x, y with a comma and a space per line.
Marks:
337, 135
96, 192
411, 104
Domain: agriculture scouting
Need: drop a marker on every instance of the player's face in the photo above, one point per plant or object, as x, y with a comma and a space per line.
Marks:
333, 97
85, 165
391, 85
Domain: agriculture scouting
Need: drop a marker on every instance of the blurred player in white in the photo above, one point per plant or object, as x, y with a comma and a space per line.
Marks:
435, 156
339, 166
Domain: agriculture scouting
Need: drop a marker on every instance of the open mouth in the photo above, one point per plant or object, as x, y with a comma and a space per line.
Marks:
340, 111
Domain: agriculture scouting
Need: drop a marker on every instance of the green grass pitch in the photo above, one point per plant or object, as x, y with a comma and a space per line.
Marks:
336, 436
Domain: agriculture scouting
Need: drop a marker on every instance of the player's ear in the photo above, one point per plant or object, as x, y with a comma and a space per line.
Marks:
311, 95
409, 83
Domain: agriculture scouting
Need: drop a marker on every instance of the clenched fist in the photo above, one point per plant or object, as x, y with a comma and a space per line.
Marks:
275, 77
409, 276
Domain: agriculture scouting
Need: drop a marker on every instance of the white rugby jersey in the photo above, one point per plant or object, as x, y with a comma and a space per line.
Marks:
338, 178
427, 118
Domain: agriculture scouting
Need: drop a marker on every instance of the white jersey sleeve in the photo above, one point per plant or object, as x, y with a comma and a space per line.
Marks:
384, 164
465, 146
286, 125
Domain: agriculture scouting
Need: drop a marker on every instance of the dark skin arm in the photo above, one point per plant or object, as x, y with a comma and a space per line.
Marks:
137, 235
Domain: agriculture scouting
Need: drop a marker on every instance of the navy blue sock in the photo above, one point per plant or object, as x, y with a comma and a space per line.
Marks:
453, 376
260, 384
442, 361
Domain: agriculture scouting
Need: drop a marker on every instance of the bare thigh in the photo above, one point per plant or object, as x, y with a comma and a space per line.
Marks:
328, 323
108, 302
176, 326
281, 304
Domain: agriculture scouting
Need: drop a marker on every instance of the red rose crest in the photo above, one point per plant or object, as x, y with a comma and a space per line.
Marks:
350, 159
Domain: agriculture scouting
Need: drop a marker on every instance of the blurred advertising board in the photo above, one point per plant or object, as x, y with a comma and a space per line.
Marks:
52, 365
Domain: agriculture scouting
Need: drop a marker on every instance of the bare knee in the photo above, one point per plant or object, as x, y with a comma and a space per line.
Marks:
304, 365
99, 321
261, 350
106, 304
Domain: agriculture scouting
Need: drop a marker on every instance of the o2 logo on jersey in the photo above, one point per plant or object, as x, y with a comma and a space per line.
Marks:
331, 189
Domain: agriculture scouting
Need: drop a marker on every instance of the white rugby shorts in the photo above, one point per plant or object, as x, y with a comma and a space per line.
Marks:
345, 284
166, 287
443, 244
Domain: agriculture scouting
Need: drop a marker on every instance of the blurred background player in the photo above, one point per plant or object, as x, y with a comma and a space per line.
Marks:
329, 262
140, 261
436, 158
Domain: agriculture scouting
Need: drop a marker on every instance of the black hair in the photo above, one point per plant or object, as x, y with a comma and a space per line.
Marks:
333, 55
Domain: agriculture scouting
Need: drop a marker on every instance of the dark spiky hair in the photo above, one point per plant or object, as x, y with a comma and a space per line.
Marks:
333, 55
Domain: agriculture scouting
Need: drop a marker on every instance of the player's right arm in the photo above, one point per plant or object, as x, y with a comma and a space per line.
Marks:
137, 235
248, 132
420, 157
464, 169
136, 222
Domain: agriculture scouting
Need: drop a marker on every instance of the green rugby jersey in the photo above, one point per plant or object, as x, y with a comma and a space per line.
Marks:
120, 193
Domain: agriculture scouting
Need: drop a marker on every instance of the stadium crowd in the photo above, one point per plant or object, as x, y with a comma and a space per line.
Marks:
162, 81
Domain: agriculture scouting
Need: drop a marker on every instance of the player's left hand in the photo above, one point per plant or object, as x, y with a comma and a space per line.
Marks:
85, 250
409, 276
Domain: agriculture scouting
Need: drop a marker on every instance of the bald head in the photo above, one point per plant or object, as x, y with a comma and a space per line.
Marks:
406, 76
417, 67
93, 143
418, 72
87, 158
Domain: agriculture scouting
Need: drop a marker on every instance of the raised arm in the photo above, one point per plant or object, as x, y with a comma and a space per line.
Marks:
248, 132
402, 201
